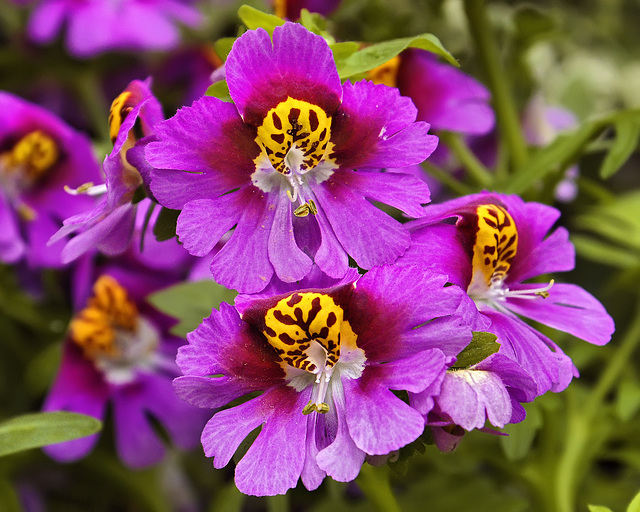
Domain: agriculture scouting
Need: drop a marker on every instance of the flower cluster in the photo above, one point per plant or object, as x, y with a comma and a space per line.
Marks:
365, 316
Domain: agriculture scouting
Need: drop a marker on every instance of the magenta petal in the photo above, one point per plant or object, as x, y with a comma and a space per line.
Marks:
137, 444
243, 263
536, 354
298, 64
342, 459
415, 373
274, 462
379, 422
289, 262
571, 309
361, 239
402, 191
12, 247
375, 128
78, 388
202, 223
331, 257
110, 235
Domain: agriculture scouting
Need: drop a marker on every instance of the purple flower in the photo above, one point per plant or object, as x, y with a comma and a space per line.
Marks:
119, 352
109, 225
491, 390
291, 9
446, 98
96, 26
324, 361
292, 165
497, 244
39, 156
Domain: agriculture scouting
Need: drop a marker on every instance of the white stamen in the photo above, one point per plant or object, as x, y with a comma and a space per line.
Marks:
88, 189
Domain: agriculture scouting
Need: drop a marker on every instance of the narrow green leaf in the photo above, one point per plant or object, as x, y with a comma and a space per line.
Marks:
219, 90
603, 252
43, 428
627, 399
634, 506
253, 19
599, 508
564, 150
377, 54
190, 303
482, 345
626, 141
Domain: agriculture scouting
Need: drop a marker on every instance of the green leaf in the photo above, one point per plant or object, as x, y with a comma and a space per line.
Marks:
43, 428
253, 19
223, 46
377, 54
599, 508
482, 345
567, 148
190, 303
315, 23
9, 501
603, 252
627, 134
627, 399
518, 442
557, 156
219, 90
165, 226
634, 506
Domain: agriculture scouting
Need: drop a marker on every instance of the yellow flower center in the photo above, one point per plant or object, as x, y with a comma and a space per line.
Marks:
109, 311
495, 246
308, 331
117, 114
295, 136
30, 158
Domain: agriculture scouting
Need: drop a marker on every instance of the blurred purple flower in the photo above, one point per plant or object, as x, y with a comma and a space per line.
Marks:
97, 26
119, 352
39, 156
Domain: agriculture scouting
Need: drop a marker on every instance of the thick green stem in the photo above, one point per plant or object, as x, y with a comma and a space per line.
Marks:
506, 112
470, 162
374, 483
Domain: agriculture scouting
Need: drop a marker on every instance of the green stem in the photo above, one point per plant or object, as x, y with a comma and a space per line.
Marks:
88, 88
506, 112
374, 483
579, 437
478, 172
447, 180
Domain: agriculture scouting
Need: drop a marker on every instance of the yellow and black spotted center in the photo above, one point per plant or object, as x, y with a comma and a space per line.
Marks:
294, 125
295, 322
496, 243
109, 309
120, 107
32, 156
386, 73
